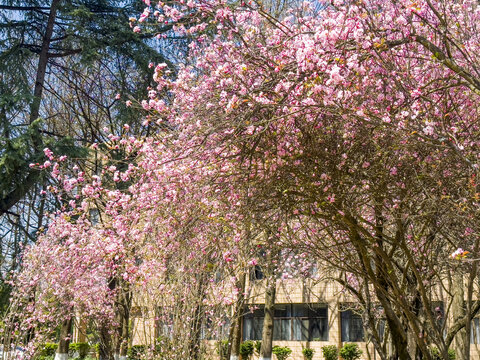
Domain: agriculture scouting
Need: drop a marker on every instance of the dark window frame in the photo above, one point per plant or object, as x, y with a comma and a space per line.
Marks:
353, 318
317, 313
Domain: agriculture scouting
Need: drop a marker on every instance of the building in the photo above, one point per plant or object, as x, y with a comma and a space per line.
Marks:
308, 313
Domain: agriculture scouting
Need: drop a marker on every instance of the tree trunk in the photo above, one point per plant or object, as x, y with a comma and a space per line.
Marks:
107, 344
372, 330
10, 199
65, 335
124, 303
105, 348
236, 339
125, 337
42, 62
462, 340
236, 330
267, 331
198, 318
399, 337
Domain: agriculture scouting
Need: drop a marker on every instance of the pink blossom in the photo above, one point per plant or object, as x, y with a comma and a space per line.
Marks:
252, 262
48, 153
459, 254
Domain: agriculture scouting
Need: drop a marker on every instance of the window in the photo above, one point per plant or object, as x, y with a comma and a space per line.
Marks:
253, 323
438, 312
256, 273
302, 322
163, 323
211, 331
381, 329
282, 327
352, 326
380, 323
475, 331
310, 322
94, 216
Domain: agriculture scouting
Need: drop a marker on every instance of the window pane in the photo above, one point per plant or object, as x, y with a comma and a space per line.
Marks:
300, 310
282, 310
356, 332
224, 330
254, 311
205, 331
345, 322
472, 332
300, 329
257, 273
352, 326
381, 329
257, 328
439, 312
475, 331
247, 328
318, 311
281, 329
318, 329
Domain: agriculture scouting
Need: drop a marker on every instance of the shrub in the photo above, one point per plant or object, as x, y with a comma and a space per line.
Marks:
308, 353
350, 352
281, 352
451, 354
48, 349
246, 349
330, 352
258, 345
79, 349
222, 349
136, 352
163, 347
44, 357
435, 353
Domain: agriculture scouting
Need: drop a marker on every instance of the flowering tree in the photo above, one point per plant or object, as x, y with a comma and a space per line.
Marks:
357, 124
166, 232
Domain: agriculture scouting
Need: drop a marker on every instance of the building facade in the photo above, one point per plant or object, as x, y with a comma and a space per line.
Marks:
308, 314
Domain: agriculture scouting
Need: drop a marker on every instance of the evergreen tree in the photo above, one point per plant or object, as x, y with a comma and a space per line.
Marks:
61, 64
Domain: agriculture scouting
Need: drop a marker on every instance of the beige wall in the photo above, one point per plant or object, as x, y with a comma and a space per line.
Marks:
291, 291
